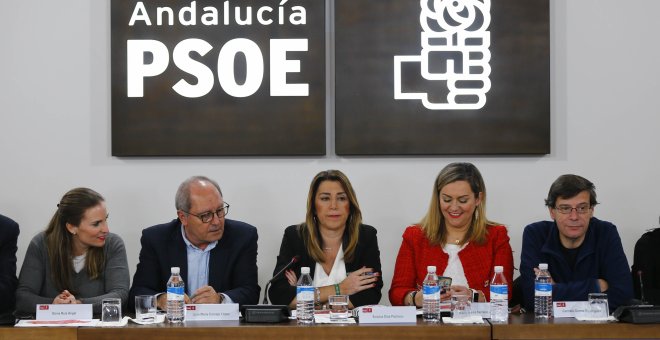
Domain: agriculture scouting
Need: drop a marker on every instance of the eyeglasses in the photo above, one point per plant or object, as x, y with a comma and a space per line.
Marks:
567, 209
206, 217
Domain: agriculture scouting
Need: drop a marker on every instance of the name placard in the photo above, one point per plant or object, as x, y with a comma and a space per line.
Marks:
481, 309
207, 312
64, 312
570, 309
388, 314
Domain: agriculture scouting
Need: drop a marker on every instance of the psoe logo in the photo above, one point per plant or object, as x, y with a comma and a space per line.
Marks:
455, 56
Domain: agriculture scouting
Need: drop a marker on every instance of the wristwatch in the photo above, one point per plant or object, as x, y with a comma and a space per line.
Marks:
412, 300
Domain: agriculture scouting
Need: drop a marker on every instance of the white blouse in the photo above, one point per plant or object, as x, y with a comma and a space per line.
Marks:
454, 266
337, 273
79, 262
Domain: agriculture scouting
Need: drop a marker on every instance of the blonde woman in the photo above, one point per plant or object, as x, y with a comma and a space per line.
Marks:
456, 237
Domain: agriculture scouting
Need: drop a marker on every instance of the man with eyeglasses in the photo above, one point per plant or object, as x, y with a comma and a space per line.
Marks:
584, 254
217, 256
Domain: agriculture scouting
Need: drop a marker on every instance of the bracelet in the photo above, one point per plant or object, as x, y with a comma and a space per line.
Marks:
318, 296
412, 300
337, 290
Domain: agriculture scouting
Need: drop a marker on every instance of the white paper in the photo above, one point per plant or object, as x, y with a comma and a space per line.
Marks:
468, 320
58, 323
160, 318
121, 323
325, 318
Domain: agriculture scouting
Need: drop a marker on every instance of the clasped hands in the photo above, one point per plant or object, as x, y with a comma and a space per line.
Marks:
65, 297
205, 294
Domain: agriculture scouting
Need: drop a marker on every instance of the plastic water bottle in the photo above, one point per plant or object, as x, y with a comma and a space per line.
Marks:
175, 293
305, 297
431, 295
543, 293
499, 296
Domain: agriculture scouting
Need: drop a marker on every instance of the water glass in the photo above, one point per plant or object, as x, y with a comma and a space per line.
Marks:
111, 310
460, 306
145, 308
338, 307
598, 306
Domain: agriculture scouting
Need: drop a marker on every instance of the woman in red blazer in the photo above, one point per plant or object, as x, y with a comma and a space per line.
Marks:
456, 237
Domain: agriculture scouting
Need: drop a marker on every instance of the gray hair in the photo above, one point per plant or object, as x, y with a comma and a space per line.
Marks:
182, 198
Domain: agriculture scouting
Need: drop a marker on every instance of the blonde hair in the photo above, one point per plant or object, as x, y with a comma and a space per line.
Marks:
433, 224
309, 230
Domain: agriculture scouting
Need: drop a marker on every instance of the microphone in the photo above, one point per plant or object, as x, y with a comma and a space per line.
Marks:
288, 265
641, 286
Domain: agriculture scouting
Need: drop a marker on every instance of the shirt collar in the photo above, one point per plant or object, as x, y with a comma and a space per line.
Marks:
189, 244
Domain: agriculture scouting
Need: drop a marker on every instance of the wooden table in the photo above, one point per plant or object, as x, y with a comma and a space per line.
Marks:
235, 330
518, 327
526, 327
29, 333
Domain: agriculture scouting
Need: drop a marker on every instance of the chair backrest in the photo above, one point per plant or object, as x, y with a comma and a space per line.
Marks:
646, 265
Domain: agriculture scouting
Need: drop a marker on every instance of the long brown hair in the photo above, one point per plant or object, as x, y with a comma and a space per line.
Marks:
433, 223
71, 209
309, 230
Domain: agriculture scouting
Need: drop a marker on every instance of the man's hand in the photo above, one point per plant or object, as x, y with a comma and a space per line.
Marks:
206, 294
162, 300
536, 273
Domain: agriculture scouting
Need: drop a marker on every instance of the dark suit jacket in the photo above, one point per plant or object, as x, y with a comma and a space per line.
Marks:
8, 281
366, 254
232, 264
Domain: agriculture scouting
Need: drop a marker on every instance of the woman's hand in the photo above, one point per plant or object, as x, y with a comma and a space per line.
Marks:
291, 277
64, 298
359, 280
460, 290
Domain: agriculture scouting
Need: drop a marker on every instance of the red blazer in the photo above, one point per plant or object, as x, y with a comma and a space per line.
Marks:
416, 253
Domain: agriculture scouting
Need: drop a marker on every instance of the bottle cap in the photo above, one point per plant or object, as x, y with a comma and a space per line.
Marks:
543, 266
430, 269
304, 270
175, 270
499, 269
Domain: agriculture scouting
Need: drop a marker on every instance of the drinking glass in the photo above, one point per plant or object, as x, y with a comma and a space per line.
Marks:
598, 306
111, 310
145, 308
338, 307
460, 306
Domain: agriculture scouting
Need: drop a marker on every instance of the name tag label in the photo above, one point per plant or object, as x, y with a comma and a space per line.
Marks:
64, 312
570, 309
481, 309
207, 312
387, 314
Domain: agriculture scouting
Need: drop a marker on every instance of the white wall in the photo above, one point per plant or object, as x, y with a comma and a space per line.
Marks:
55, 135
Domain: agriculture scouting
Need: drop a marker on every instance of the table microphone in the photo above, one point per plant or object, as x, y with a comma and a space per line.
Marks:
288, 265
266, 312
641, 286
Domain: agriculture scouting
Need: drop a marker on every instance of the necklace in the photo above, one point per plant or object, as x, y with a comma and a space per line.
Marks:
457, 241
